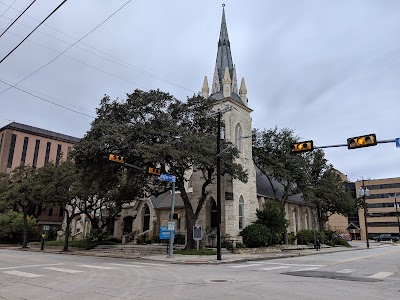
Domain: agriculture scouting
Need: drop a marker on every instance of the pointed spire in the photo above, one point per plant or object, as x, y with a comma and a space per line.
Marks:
234, 81
205, 89
227, 83
216, 85
243, 91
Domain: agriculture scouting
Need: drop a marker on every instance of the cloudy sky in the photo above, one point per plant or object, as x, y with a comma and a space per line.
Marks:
327, 69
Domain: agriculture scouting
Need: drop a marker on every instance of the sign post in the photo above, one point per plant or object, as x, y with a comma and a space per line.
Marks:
172, 179
197, 234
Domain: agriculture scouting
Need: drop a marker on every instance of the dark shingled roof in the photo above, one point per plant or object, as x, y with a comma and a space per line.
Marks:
264, 189
163, 201
41, 132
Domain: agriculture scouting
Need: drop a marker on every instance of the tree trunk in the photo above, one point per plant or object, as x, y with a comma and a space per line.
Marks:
320, 219
25, 231
190, 222
66, 237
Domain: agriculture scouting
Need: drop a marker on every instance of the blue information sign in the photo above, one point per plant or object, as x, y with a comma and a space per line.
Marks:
167, 177
398, 142
164, 233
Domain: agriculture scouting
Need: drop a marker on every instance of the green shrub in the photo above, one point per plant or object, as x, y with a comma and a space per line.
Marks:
341, 242
256, 235
305, 237
240, 245
180, 239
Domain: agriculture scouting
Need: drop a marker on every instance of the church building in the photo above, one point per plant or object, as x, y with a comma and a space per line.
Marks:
239, 200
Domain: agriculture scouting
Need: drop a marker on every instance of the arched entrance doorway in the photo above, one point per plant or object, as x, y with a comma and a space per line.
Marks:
128, 221
146, 217
213, 214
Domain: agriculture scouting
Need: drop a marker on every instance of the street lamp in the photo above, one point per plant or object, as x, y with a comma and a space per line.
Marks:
364, 192
397, 211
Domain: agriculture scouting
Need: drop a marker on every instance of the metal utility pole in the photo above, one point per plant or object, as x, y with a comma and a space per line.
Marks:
363, 192
219, 187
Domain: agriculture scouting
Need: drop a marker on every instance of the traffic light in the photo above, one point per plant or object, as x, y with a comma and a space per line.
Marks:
153, 171
303, 146
116, 158
362, 141
176, 215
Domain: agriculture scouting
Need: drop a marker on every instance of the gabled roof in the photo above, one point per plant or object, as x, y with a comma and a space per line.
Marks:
41, 132
264, 189
353, 226
164, 200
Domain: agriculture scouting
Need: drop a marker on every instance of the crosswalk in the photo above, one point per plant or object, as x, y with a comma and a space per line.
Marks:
71, 269
272, 266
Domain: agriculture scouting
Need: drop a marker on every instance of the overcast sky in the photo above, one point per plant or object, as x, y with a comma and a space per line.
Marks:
327, 69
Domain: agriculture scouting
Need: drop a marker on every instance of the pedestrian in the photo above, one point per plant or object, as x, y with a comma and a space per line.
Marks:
318, 245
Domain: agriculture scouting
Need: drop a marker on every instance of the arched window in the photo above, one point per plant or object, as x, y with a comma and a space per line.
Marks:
238, 134
213, 214
241, 212
146, 217
190, 182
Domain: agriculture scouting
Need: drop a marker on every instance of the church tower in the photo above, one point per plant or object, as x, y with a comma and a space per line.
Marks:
239, 200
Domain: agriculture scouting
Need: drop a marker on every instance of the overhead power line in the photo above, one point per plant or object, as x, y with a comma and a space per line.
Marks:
52, 102
113, 59
7, 8
12, 23
54, 59
33, 30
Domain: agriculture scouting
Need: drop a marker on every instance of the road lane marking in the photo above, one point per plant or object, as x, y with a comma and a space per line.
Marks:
149, 264
364, 257
295, 265
22, 274
245, 266
275, 268
62, 270
381, 275
30, 266
345, 271
96, 267
125, 265
307, 269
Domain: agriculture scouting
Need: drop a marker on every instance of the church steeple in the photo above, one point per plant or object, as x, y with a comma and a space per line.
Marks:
223, 66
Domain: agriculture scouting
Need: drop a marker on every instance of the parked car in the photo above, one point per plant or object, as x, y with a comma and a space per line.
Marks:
386, 237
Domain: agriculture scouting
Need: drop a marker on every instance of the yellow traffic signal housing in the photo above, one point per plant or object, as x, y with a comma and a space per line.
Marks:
154, 171
362, 141
116, 158
303, 146
176, 215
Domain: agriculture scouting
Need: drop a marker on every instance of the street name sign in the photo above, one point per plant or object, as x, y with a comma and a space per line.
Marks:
167, 177
46, 227
398, 142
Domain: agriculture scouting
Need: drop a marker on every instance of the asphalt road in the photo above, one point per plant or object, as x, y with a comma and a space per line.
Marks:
361, 274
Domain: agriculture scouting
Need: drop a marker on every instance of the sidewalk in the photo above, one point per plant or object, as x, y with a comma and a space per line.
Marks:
210, 259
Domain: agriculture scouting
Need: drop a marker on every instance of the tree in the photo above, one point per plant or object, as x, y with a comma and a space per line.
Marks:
155, 128
272, 155
273, 217
22, 193
11, 227
326, 189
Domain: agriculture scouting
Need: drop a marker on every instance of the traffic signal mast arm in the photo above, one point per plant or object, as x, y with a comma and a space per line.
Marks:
345, 145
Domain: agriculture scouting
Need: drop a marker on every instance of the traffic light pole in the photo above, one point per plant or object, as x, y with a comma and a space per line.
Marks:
365, 215
219, 187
